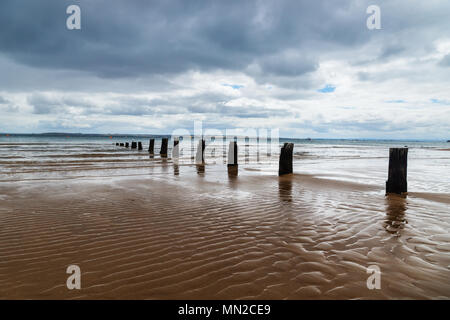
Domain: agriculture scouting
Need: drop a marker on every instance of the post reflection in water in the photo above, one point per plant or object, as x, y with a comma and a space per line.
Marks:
176, 169
233, 171
285, 188
200, 169
396, 207
233, 178
164, 167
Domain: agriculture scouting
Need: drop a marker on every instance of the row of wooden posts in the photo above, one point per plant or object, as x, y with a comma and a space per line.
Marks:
397, 174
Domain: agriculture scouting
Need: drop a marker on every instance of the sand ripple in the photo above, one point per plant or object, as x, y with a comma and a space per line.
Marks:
160, 232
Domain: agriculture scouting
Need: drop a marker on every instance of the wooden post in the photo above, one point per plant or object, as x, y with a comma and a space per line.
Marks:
139, 145
117, 144
164, 144
127, 145
200, 156
398, 162
122, 145
233, 154
151, 146
232, 158
133, 145
176, 148
285, 166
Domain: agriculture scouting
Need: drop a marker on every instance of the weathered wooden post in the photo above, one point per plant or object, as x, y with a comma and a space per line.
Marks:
200, 156
164, 144
133, 145
151, 146
117, 144
139, 145
176, 148
398, 163
127, 145
122, 145
232, 158
285, 166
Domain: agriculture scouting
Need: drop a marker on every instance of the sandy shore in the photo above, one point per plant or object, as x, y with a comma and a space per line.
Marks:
187, 233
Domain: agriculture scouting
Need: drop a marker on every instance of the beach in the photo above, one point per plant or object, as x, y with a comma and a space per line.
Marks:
145, 227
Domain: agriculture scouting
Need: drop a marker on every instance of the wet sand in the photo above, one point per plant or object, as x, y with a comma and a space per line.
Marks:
186, 232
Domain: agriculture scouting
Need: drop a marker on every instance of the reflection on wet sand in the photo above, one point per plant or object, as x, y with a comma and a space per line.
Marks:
164, 163
285, 188
396, 206
176, 169
233, 171
138, 232
200, 169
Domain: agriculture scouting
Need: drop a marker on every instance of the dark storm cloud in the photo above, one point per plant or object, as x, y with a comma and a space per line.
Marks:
136, 106
283, 52
390, 51
44, 104
141, 38
6, 106
445, 61
132, 38
3, 100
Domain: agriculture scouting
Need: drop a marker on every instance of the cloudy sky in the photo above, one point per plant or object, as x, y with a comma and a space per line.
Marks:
309, 68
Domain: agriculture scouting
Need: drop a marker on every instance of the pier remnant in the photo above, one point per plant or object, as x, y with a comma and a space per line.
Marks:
133, 145
139, 145
200, 155
164, 144
285, 165
127, 145
176, 148
117, 144
122, 145
232, 154
232, 158
398, 163
151, 146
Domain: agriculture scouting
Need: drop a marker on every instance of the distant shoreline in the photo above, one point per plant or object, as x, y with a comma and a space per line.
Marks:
120, 135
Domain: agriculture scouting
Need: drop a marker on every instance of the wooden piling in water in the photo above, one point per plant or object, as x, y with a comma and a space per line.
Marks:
232, 165
127, 145
151, 146
117, 144
232, 154
285, 165
176, 148
139, 145
397, 175
122, 145
164, 144
133, 145
200, 156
